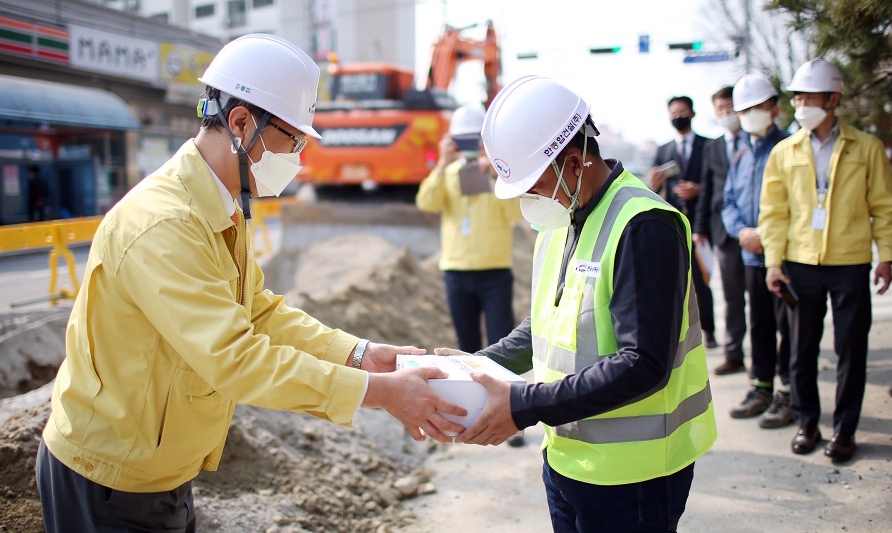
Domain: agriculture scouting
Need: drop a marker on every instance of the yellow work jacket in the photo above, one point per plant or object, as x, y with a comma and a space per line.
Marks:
858, 202
169, 331
475, 230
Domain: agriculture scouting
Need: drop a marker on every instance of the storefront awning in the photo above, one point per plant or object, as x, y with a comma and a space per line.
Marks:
64, 105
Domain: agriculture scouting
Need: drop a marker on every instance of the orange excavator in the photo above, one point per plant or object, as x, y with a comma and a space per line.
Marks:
379, 130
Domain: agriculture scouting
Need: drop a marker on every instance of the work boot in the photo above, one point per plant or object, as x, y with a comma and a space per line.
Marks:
779, 413
755, 403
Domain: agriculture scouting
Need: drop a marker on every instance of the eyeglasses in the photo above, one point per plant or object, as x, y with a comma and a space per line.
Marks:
807, 98
299, 143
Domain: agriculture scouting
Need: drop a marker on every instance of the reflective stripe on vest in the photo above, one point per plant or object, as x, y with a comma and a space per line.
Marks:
586, 449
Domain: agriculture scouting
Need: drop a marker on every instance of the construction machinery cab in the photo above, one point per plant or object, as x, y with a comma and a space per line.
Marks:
378, 129
380, 86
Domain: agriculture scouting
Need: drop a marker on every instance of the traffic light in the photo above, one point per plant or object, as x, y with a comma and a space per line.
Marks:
693, 45
608, 50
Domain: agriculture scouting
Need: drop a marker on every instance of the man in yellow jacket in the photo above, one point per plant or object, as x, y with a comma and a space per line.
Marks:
475, 233
826, 196
172, 326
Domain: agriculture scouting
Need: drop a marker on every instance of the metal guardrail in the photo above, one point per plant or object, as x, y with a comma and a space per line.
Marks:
57, 235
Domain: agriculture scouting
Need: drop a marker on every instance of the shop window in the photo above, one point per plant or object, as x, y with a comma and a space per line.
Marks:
206, 10
236, 13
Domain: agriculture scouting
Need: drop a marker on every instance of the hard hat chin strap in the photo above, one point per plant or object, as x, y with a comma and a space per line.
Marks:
239, 148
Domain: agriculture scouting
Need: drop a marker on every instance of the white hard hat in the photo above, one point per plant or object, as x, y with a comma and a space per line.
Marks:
271, 73
528, 123
467, 120
752, 90
817, 76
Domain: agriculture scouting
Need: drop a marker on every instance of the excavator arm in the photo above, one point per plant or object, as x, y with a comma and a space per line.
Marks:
451, 49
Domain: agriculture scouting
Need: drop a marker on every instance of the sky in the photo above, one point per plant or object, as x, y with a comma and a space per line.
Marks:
627, 91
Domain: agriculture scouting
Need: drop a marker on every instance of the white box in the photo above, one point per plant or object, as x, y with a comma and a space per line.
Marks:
459, 388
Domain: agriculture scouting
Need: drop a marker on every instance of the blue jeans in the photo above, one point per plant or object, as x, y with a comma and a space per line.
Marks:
655, 505
471, 293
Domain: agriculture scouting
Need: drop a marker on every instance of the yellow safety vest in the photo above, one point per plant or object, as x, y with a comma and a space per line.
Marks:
655, 436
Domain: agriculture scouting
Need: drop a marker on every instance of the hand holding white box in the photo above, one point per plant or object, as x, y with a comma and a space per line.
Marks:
459, 387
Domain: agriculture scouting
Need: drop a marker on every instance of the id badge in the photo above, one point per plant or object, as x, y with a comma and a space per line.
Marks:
466, 226
819, 218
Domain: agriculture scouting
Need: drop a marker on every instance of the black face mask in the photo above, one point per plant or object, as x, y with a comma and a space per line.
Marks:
681, 123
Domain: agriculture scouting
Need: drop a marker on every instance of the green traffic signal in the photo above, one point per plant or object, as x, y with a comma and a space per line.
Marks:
606, 50
692, 45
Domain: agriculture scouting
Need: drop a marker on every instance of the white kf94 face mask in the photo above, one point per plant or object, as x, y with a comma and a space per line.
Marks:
274, 171
756, 121
809, 117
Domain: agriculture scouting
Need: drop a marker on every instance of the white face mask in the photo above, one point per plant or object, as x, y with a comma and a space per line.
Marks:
756, 121
543, 213
546, 214
729, 122
810, 117
274, 171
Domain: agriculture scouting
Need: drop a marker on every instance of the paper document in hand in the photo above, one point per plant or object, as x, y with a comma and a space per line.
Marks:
706, 261
459, 388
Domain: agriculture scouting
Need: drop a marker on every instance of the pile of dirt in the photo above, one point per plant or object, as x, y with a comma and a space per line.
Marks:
32, 347
280, 471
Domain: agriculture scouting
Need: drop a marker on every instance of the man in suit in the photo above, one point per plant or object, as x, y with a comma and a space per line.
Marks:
709, 227
680, 185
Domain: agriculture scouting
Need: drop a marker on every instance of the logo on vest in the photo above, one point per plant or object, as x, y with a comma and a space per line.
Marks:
588, 268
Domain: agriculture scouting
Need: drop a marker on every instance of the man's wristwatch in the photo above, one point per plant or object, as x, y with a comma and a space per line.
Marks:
358, 353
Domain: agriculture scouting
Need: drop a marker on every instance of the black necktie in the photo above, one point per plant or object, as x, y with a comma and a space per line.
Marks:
682, 159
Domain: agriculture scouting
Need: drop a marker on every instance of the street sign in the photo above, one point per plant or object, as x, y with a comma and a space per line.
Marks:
707, 57
644, 44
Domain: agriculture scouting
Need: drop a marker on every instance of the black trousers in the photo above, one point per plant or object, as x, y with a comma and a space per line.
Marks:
704, 295
73, 504
849, 290
472, 292
734, 289
768, 318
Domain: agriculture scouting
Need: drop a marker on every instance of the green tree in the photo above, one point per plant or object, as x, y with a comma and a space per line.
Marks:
764, 39
857, 35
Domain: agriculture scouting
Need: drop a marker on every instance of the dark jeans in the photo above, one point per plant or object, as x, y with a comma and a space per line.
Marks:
704, 295
849, 290
768, 318
74, 504
472, 292
655, 505
733, 288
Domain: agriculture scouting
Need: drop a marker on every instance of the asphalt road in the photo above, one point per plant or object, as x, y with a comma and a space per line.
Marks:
749, 481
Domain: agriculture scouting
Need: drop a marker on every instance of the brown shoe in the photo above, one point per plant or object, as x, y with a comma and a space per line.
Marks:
730, 366
805, 440
840, 448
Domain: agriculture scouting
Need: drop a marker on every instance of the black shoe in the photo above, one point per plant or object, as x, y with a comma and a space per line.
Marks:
730, 366
516, 441
709, 340
805, 440
840, 448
